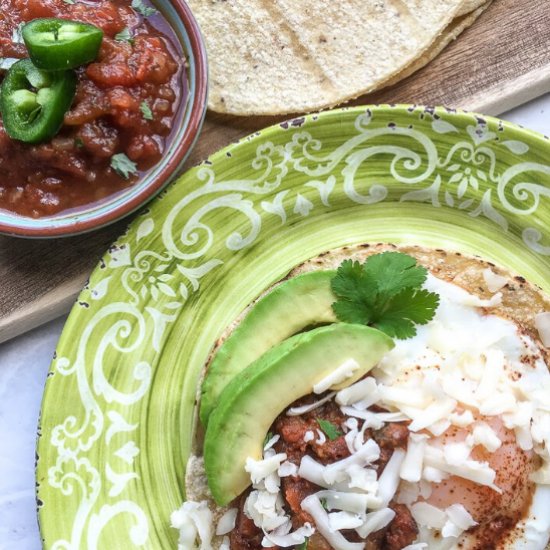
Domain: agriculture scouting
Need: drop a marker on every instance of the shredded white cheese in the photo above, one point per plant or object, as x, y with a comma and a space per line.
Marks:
433, 475
226, 523
542, 323
260, 469
287, 469
339, 521
375, 420
375, 521
361, 395
427, 515
312, 505
463, 419
439, 410
272, 442
367, 454
339, 375
459, 520
356, 503
478, 472
281, 537
457, 453
389, 479
321, 439
194, 522
460, 516
494, 281
484, 435
297, 411
411, 468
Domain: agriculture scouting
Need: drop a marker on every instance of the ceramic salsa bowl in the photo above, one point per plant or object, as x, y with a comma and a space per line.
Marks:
187, 123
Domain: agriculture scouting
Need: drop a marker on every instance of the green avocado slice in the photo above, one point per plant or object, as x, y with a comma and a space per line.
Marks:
294, 305
257, 395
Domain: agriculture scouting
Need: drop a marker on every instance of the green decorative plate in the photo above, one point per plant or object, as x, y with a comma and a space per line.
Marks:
118, 407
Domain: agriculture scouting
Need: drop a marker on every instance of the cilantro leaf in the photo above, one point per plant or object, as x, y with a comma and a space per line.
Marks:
352, 286
143, 9
351, 282
123, 166
146, 110
330, 430
353, 312
304, 545
394, 271
384, 292
125, 35
411, 306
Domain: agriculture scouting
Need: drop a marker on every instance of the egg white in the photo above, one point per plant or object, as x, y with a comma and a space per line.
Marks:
535, 528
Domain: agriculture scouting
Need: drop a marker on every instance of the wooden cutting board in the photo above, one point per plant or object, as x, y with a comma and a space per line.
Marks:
502, 61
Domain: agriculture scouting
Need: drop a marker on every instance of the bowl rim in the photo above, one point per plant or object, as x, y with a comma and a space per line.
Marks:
162, 177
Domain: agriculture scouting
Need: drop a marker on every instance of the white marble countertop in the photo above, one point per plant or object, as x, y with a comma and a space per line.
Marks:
24, 364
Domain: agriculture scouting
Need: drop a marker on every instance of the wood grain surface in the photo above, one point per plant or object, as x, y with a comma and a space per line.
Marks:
500, 62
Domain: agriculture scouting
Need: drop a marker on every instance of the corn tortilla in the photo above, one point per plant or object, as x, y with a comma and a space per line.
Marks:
270, 57
468, 6
451, 33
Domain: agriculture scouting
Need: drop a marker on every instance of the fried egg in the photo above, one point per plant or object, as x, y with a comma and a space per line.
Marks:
495, 383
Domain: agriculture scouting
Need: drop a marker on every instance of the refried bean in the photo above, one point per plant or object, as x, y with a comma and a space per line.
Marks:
292, 430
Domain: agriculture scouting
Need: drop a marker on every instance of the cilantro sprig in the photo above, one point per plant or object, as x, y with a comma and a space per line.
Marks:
143, 9
146, 110
125, 35
329, 429
123, 166
385, 292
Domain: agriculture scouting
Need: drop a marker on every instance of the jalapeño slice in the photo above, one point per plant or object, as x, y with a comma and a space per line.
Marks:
59, 44
34, 102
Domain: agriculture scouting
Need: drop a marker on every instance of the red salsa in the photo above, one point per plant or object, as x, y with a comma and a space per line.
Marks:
127, 101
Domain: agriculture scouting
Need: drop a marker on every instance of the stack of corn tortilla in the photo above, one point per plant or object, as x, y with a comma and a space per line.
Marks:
272, 57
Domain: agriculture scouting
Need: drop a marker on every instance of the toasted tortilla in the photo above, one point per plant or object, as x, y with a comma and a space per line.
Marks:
451, 33
270, 57
469, 6
521, 301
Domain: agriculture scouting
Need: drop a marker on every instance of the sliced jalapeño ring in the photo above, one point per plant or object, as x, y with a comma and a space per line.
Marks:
33, 102
59, 44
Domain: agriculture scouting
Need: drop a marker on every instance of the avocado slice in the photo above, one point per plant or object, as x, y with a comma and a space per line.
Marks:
289, 308
256, 396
